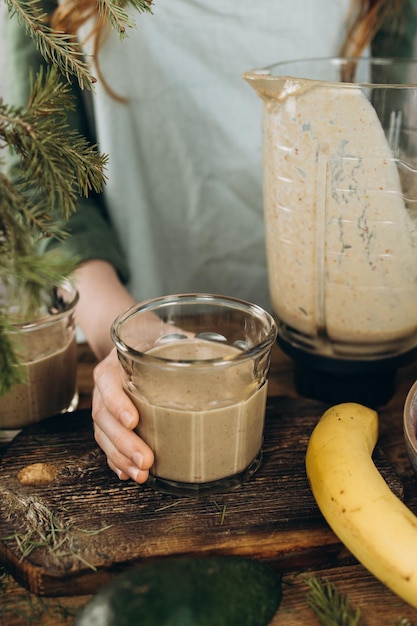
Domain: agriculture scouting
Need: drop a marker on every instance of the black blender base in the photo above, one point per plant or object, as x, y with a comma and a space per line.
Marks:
332, 380
372, 390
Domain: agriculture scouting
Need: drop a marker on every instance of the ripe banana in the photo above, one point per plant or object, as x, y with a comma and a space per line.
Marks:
377, 528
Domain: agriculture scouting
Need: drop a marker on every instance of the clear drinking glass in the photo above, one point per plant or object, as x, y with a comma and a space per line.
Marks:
196, 367
47, 350
340, 200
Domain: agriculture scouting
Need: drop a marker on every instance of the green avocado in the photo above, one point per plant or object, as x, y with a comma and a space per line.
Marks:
202, 591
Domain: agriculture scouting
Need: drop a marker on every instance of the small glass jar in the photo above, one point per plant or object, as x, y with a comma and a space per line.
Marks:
196, 367
46, 347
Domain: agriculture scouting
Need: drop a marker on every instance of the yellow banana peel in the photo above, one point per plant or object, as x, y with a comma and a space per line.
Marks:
377, 528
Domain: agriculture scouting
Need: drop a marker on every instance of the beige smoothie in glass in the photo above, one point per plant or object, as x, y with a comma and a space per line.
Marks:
196, 366
46, 349
49, 388
198, 438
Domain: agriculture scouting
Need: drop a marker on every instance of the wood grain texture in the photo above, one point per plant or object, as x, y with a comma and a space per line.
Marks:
380, 607
272, 517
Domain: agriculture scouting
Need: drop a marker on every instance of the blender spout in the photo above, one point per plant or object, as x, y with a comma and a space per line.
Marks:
274, 88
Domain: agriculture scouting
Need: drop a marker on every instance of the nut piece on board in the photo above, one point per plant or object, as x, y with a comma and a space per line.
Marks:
37, 474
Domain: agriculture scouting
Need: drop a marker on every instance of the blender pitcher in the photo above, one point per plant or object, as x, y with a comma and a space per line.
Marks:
340, 204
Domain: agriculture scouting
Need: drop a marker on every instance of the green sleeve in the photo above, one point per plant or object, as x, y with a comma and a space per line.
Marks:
396, 38
90, 232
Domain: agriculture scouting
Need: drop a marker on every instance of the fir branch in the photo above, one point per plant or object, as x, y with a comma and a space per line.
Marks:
58, 49
114, 13
29, 275
12, 236
330, 605
11, 371
64, 50
52, 166
16, 234
60, 160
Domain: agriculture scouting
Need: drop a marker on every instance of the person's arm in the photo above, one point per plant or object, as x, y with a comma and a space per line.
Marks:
102, 298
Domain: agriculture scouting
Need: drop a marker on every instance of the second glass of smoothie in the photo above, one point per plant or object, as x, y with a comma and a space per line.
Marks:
47, 349
196, 367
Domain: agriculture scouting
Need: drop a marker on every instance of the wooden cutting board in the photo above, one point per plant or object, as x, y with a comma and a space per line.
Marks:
89, 525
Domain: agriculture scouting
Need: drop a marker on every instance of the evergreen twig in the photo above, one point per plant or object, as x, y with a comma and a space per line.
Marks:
55, 166
11, 373
330, 605
62, 50
58, 49
60, 160
52, 167
115, 14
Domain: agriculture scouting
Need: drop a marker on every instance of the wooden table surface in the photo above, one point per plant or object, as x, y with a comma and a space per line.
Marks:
378, 605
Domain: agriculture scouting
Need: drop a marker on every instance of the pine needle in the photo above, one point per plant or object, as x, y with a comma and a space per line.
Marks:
11, 372
63, 50
53, 165
330, 605
58, 49
114, 13
46, 532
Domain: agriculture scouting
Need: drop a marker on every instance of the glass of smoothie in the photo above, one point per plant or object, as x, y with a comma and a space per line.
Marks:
46, 347
340, 199
196, 366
